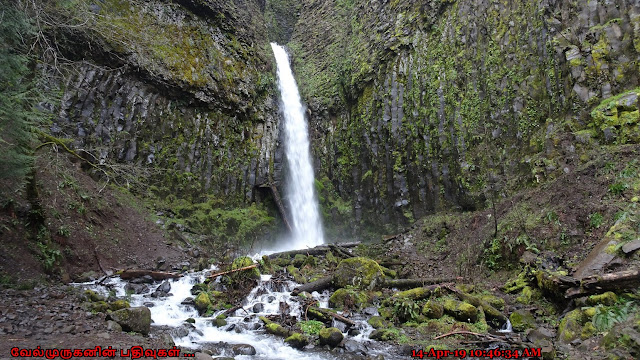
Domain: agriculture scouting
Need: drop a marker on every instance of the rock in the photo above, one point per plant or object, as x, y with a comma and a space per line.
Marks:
202, 356
165, 287
202, 302
461, 311
297, 341
433, 310
631, 246
136, 319
384, 335
348, 299
113, 326
136, 288
190, 320
370, 311
378, 322
119, 304
609, 298
147, 279
257, 308
359, 272
188, 301
521, 320
243, 349
570, 327
330, 336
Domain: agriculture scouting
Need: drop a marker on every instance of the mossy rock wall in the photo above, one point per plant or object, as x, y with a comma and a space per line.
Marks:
416, 106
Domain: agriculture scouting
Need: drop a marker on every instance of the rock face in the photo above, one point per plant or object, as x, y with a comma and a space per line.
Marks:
414, 106
418, 106
136, 319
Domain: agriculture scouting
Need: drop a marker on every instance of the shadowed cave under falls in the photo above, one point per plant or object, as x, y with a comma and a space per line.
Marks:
306, 227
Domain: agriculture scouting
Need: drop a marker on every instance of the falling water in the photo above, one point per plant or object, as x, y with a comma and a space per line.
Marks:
307, 230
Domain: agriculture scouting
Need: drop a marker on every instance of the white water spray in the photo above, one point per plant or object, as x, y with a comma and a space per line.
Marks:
307, 230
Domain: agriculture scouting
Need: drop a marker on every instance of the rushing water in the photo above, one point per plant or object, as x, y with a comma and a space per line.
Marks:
306, 226
243, 325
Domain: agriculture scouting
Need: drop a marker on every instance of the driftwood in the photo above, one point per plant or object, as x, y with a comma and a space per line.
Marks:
414, 283
490, 312
213, 276
317, 285
156, 275
596, 284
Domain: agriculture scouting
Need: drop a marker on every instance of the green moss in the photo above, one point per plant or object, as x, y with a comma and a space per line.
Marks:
311, 327
522, 320
609, 298
297, 340
588, 330
349, 298
414, 294
360, 272
202, 302
241, 262
119, 304
378, 322
570, 327
277, 329
433, 310
461, 310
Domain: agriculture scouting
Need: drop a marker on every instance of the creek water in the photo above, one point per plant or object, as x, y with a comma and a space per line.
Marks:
303, 204
243, 325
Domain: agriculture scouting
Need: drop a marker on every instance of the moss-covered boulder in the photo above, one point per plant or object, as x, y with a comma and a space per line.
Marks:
433, 310
276, 329
521, 320
528, 295
348, 298
136, 319
297, 341
385, 334
378, 322
330, 336
609, 298
93, 296
494, 301
119, 304
461, 311
240, 262
202, 302
360, 272
386, 312
571, 326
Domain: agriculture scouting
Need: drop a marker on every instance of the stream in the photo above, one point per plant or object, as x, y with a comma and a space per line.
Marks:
169, 314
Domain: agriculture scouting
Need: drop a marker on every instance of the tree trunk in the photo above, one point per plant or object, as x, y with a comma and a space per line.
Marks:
414, 283
317, 285
596, 284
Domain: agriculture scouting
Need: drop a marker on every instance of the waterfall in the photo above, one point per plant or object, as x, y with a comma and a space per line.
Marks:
306, 227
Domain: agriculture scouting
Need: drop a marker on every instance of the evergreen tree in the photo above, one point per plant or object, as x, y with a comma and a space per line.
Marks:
19, 97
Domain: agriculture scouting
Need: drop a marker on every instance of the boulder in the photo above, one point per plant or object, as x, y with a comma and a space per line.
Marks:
433, 310
136, 319
521, 320
243, 349
297, 341
330, 336
202, 302
461, 311
359, 272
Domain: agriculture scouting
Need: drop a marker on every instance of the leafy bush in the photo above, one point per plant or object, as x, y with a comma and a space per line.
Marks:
607, 316
311, 327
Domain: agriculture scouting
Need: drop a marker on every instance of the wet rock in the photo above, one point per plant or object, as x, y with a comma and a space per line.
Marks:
202, 302
257, 308
631, 246
243, 349
330, 336
148, 304
147, 279
370, 311
165, 287
202, 356
297, 341
188, 301
136, 319
136, 288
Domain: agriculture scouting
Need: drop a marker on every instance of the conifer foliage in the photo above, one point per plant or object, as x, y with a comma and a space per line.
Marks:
19, 97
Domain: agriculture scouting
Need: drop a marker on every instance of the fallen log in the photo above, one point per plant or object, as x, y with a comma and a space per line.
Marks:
597, 284
318, 250
317, 285
340, 251
414, 283
213, 276
156, 275
313, 311
491, 313
348, 244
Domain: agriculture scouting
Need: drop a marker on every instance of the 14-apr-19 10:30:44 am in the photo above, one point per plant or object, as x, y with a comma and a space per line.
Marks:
486, 353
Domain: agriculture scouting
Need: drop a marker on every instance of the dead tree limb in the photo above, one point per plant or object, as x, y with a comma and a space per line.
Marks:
317, 285
596, 284
327, 313
340, 251
213, 276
